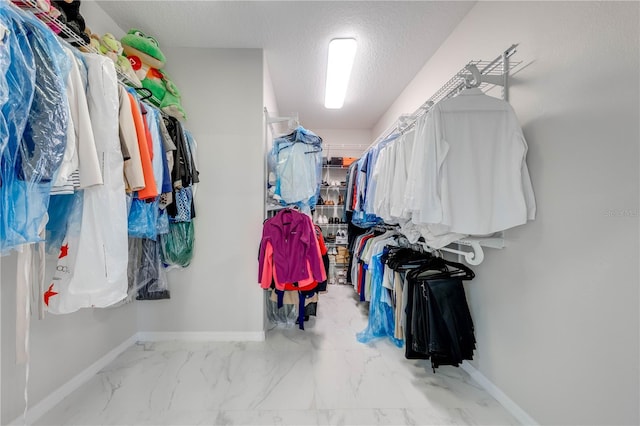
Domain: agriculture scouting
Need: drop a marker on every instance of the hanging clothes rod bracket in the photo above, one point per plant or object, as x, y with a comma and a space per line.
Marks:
473, 257
476, 78
292, 121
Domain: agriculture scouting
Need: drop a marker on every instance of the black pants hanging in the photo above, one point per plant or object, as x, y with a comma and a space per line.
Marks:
439, 323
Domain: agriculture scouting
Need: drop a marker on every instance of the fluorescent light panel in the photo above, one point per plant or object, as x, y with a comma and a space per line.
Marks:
341, 54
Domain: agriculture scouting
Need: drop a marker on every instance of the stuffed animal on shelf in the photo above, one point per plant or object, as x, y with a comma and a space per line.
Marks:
70, 15
147, 60
94, 40
111, 48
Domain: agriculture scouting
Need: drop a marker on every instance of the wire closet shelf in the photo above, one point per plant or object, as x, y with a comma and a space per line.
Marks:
476, 73
70, 36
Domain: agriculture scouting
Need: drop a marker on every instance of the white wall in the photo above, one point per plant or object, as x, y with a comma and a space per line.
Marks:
269, 95
98, 20
62, 346
219, 292
556, 311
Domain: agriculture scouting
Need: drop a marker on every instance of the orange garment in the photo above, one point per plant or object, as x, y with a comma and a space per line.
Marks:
150, 189
321, 244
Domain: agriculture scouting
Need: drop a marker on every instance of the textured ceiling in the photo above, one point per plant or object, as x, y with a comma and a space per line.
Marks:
395, 39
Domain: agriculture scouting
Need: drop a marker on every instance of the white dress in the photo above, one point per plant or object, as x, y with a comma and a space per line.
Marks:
92, 269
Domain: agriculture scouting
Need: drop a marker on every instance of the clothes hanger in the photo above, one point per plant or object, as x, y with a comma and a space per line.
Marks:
442, 265
144, 90
286, 212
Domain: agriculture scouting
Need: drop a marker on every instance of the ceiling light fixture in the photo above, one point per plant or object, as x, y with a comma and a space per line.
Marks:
341, 54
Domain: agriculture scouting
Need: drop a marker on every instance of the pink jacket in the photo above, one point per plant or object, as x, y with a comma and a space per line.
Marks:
296, 254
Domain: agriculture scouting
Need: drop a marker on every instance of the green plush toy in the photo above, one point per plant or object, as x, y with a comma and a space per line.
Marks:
147, 60
109, 46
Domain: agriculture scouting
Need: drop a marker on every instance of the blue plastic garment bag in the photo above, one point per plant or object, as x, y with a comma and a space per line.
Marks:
36, 116
297, 162
143, 219
381, 315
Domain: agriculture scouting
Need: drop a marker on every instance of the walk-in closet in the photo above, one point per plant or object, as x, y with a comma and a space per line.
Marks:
319, 212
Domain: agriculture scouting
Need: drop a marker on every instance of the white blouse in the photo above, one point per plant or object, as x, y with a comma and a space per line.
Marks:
472, 177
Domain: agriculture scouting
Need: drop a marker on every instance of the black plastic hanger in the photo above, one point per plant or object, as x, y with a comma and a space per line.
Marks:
443, 270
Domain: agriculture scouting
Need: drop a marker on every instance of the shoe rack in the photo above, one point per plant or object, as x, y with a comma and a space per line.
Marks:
329, 215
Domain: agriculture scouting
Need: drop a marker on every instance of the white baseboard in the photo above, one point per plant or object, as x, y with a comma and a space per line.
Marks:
55, 397
201, 336
514, 409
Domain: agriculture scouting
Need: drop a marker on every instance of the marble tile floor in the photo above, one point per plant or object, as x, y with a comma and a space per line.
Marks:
320, 376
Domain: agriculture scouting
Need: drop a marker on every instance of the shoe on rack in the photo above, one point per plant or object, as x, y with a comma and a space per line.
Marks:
324, 219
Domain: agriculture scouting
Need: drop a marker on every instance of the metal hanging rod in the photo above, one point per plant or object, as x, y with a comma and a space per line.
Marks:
477, 73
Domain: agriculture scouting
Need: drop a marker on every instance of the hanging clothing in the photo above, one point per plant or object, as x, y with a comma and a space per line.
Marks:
474, 177
183, 173
133, 171
322, 286
150, 189
400, 171
150, 118
98, 276
297, 162
381, 322
80, 154
32, 145
147, 279
296, 253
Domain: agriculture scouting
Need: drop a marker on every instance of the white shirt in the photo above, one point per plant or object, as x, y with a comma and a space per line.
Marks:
416, 170
474, 177
80, 152
382, 176
404, 147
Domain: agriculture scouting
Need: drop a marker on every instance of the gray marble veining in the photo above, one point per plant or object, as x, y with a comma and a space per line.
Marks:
320, 376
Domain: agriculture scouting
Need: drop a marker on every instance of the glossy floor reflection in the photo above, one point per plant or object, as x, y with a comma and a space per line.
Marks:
320, 376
